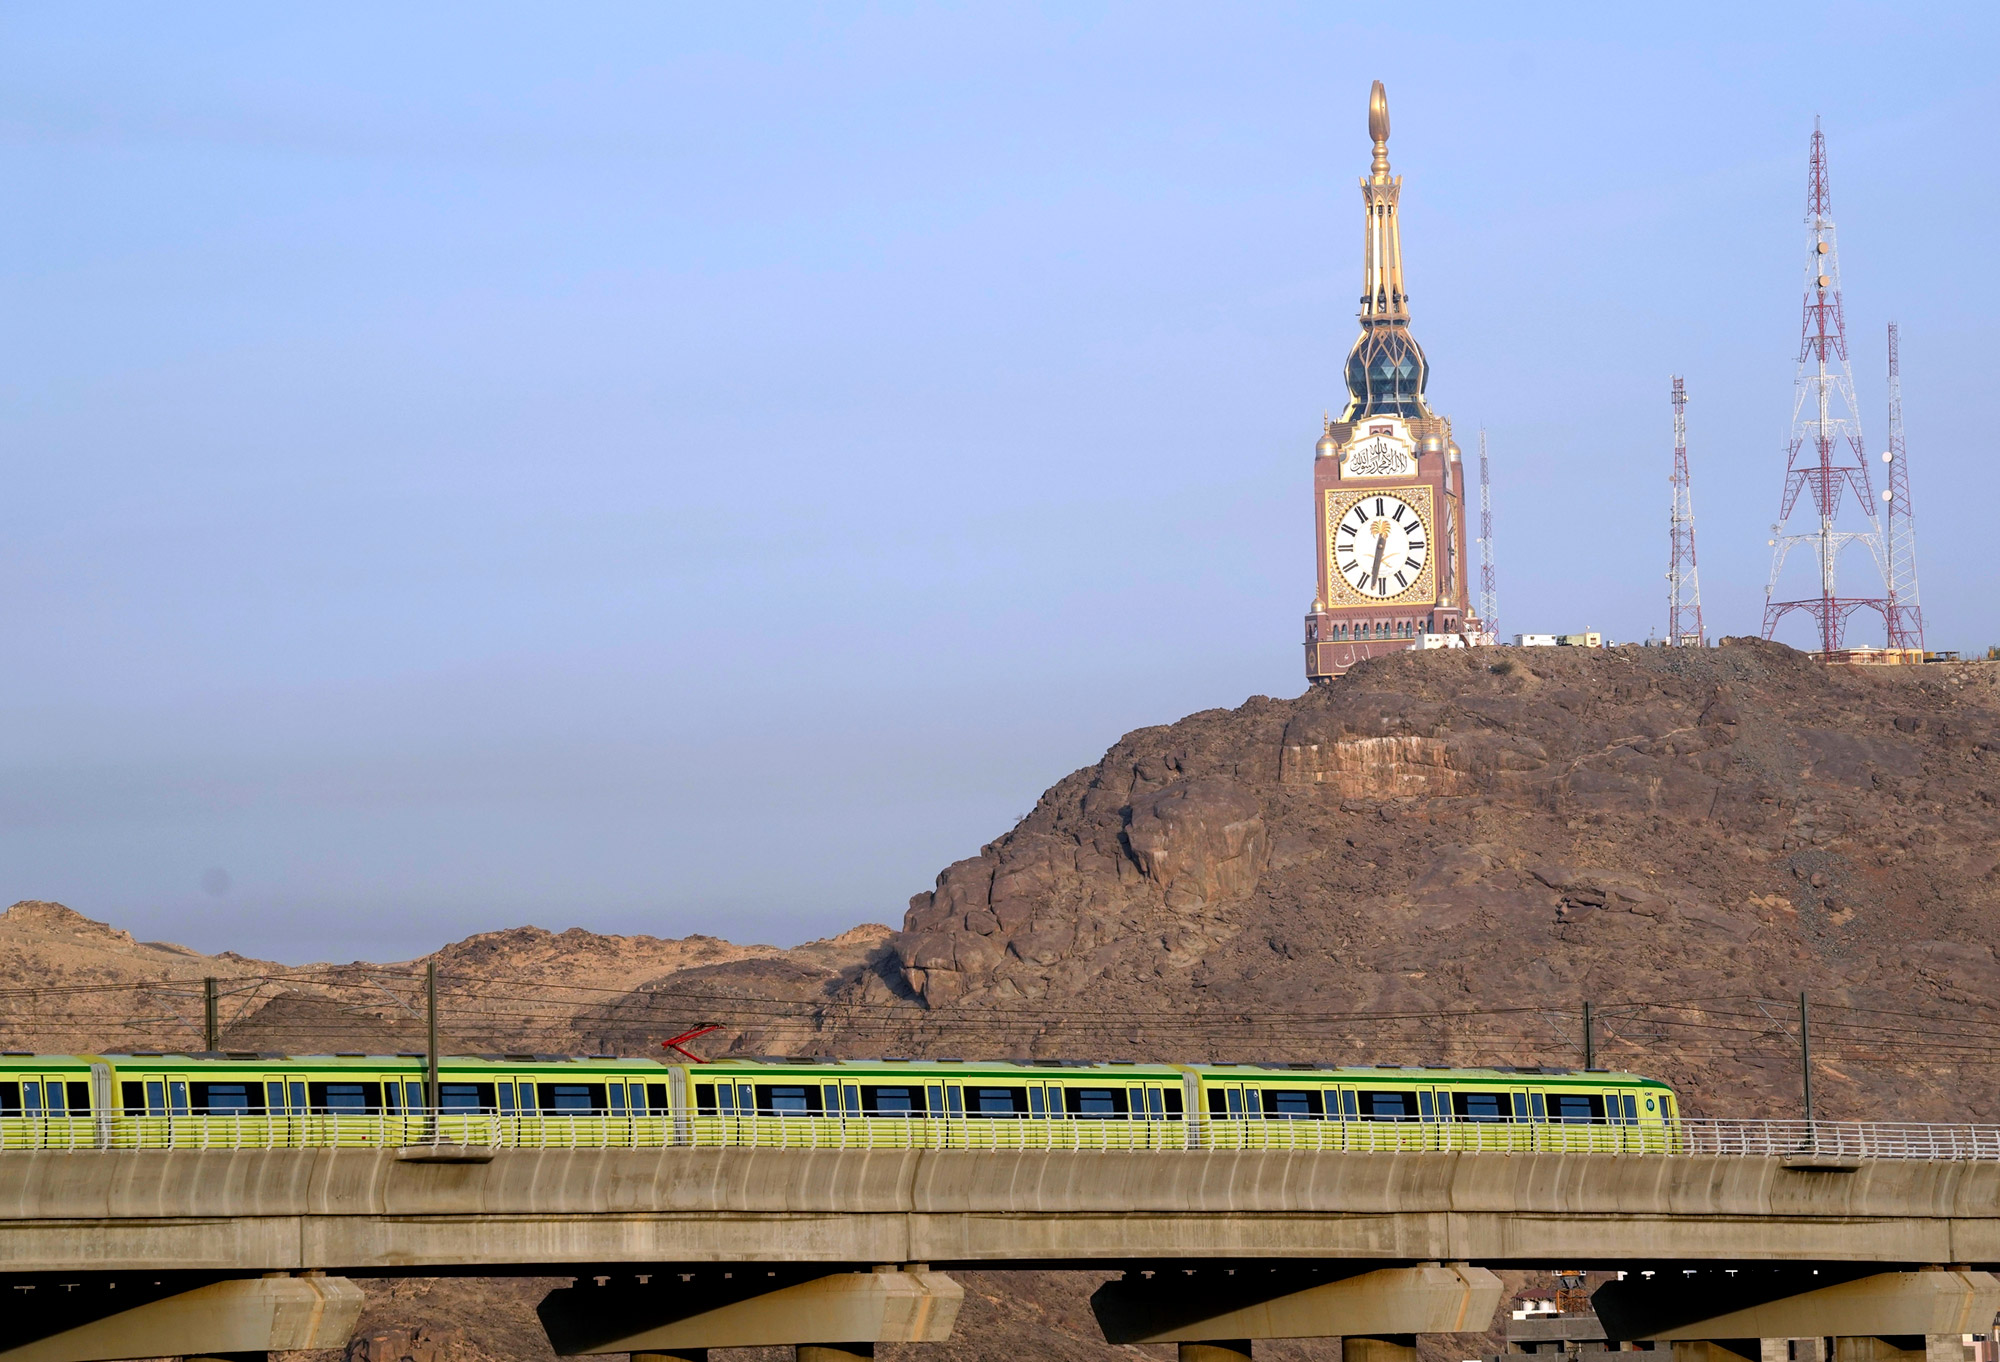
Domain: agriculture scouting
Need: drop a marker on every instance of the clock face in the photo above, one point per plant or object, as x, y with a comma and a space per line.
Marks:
1381, 545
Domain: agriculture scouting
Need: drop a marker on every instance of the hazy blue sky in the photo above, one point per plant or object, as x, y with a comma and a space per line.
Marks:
683, 469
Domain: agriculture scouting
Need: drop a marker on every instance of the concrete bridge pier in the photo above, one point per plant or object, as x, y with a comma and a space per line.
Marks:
1902, 1348
104, 1319
828, 1316
1391, 1348
835, 1352
1756, 1313
1222, 1310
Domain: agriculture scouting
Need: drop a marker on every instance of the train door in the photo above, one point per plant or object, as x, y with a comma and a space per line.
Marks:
43, 1101
286, 1109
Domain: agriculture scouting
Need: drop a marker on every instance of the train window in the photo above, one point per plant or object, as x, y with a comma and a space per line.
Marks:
31, 1099
156, 1097
656, 1098
934, 1099
1155, 1107
1038, 1101
954, 1100
1387, 1106
54, 1097
1235, 1096
1095, 1103
177, 1096
829, 1099
638, 1098
413, 1096
1479, 1106
1538, 1107
1424, 1108
1173, 1096
503, 1097
577, 1099
786, 1099
452, 1096
1631, 1110
1520, 1106
1253, 1102
998, 1101
879, 1099
1573, 1108
274, 1097
745, 1102
392, 1097
704, 1099
295, 1094
345, 1097
615, 1094
225, 1099
1347, 1112
1292, 1104
10, 1098
1217, 1107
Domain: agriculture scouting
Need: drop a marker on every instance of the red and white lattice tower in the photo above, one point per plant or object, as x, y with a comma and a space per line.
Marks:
1906, 617
1827, 458
1683, 580
1489, 608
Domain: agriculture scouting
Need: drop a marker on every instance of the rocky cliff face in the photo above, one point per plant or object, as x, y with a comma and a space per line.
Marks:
1460, 831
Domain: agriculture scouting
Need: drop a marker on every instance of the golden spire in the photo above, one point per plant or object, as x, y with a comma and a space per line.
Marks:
1386, 371
1378, 128
1382, 257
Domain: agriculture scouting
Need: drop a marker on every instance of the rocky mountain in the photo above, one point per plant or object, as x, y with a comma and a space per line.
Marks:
1446, 854
1439, 859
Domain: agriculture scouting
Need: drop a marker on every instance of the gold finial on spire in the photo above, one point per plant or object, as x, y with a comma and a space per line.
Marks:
1378, 128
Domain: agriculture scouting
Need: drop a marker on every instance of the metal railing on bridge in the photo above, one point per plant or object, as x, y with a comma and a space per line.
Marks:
1686, 1138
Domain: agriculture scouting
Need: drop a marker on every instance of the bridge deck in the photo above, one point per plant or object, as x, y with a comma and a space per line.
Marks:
381, 1210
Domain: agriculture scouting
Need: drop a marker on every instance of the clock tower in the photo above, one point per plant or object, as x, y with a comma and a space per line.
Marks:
1388, 484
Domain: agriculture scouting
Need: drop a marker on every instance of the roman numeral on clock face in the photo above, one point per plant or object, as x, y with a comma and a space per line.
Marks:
1413, 563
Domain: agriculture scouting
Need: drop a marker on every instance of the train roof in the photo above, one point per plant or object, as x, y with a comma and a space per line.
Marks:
1265, 1070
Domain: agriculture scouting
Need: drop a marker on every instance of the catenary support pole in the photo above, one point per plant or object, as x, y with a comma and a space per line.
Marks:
431, 1047
211, 1029
1589, 1038
1805, 1061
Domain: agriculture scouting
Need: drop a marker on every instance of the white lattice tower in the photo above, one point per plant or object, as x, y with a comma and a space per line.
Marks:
1826, 456
1489, 608
1684, 628
1906, 616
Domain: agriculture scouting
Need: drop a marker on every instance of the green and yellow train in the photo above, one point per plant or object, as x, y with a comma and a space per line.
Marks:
238, 1100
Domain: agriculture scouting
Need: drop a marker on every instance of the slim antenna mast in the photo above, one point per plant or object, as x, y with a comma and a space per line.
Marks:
1489, 609
1906, 617
1683, 580
1826, 454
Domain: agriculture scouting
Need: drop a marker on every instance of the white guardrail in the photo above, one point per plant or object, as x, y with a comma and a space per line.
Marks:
1687, 1138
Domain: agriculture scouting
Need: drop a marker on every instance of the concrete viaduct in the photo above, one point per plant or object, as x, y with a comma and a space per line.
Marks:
118, 1254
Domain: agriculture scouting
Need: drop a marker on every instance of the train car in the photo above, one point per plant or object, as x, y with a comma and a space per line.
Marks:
241, 1100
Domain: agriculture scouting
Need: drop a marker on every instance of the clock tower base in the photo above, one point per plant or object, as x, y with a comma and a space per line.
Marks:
1328, 656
